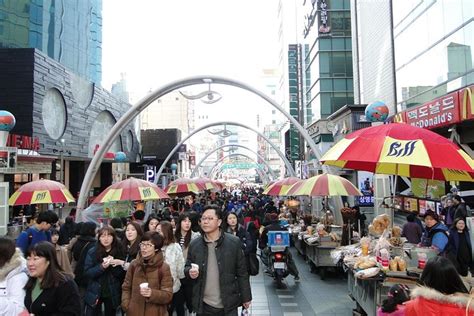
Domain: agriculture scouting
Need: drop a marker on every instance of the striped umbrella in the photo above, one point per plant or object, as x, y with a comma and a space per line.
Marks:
207, 184
131, 189
41, 192
324, 185
404, 150
280, 187
183, 186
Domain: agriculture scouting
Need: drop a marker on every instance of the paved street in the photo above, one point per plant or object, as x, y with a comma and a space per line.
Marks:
311, 296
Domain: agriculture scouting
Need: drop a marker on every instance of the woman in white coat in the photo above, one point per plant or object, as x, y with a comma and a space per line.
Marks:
173, 256
13, 278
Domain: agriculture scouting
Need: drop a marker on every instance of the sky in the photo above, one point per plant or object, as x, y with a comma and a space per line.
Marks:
158, 41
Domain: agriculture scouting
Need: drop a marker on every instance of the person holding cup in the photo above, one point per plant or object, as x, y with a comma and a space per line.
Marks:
216, 264
148, 285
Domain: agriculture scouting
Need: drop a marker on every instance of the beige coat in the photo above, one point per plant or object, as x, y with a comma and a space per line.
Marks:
63, 260
161, 284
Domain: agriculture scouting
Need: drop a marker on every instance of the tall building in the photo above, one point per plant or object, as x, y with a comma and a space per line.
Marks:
433, 49
69, 32
327, 34
119, 89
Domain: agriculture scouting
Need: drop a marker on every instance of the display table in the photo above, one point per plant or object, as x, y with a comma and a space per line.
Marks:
299, 244
320, 257
369, 293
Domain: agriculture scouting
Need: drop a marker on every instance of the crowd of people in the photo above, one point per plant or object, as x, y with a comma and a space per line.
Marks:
191, 256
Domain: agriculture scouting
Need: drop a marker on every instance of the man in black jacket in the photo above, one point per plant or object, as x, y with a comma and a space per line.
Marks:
216, 264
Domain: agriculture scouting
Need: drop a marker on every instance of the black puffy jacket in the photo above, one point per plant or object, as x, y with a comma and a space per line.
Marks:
233, 276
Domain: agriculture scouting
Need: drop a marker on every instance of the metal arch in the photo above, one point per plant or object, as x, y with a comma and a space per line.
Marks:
173, 151
235, 145
260, 172
216, 149
147, 100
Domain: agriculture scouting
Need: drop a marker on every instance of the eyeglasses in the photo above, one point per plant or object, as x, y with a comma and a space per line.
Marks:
207, 219
143, 245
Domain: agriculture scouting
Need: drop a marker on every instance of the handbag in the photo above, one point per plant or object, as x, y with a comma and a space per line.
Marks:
253, 266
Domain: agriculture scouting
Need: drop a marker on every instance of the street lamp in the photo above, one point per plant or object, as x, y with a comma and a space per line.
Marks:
61, 152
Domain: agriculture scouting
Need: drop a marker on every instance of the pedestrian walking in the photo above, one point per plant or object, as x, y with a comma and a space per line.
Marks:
148, 285
459, 249
131, 243
49, 291
13, 278
461, 210
216, 263
183, 235
61, 253
67, 231
104, 273
173, 256
151, 223
38, 231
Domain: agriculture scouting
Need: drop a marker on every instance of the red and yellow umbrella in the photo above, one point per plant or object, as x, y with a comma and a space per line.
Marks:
41, 192
207, 184
182, 186
324, 185
280, 187
131, 189
404, 150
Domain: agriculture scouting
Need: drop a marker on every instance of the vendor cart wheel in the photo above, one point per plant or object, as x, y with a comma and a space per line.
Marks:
322, 273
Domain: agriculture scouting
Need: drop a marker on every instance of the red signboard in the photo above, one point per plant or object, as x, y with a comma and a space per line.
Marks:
23, 142
439, 112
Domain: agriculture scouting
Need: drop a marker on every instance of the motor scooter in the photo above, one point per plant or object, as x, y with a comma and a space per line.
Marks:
277, 259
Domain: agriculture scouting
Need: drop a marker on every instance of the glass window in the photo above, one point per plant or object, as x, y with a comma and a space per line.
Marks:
340, 85
325, 44
326, 85
338, 43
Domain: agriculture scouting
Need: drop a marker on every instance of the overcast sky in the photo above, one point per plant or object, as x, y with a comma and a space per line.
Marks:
157, 41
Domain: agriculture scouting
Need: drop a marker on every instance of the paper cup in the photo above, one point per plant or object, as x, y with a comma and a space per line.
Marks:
194, 266
144, 285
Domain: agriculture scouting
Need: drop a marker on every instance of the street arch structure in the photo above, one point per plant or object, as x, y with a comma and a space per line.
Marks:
260, 172
175, 149
147, 100
231, 145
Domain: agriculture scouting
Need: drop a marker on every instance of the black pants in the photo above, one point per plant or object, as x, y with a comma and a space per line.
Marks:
178, 303
109, 310
187, 292
211, 311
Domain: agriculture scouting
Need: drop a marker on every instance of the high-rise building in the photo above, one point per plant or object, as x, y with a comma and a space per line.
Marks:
69, 32
433, 48
327, 34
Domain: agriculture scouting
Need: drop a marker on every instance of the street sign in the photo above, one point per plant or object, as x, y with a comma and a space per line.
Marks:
150, 173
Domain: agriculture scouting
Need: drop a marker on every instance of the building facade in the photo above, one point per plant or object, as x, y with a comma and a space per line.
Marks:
61, 115
69, 32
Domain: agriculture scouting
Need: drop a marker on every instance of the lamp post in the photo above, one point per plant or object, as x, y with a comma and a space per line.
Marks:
61, 157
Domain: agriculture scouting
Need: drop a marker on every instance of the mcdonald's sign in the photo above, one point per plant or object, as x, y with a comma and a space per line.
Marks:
444, 111
466, 98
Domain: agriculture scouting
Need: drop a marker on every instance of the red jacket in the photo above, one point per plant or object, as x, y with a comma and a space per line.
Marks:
426, 302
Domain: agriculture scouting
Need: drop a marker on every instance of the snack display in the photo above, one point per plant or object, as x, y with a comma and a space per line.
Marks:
379, 224
365, 263
367, 273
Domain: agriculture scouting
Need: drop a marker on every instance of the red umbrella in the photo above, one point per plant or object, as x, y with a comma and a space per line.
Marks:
280, 187
131, 189
207, 184
324, 185
404, 150
182, 186
41, 192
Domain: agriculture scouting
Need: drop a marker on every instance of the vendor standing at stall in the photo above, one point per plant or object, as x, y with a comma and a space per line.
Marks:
435, 234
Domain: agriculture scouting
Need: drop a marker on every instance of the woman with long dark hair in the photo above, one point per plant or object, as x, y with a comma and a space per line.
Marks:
12, 277
104, 272
173, 256
151, 223
231, 225
49, 291
183, 236
131, 243
442, 292
459, 249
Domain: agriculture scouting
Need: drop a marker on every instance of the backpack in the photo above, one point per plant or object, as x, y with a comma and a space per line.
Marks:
81, 281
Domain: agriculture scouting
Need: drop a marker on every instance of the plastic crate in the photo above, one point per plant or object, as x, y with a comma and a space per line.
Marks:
278, 239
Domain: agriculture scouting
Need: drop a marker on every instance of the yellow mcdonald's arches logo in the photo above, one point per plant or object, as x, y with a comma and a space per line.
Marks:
398, 118
467, 97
